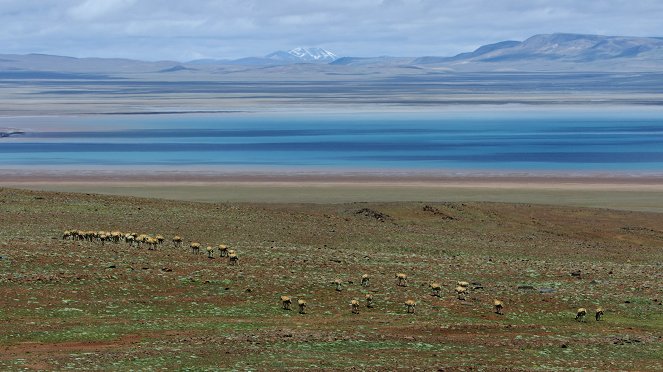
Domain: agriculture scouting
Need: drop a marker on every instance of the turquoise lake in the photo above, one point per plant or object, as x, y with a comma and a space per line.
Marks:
595, 141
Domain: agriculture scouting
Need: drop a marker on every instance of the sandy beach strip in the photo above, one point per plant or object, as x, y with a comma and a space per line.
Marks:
641, 192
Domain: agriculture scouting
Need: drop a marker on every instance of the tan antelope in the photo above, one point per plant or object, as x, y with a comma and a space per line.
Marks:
436, 288
461, 292
369, 300
498, 306
599, 313
410, 305
364, 280
286, 301
302, 306
223, 250
354, 304
402, 279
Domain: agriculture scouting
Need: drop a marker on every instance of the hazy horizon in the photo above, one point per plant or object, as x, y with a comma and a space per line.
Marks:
168, 30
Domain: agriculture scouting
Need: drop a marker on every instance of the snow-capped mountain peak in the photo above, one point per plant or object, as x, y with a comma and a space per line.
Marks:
307, 55
313, 54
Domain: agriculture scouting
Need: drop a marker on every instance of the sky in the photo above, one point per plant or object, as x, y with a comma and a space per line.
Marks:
184, 30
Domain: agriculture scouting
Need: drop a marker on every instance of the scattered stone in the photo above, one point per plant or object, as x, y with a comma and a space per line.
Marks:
576, 274
437, 212
111, 267
367, 212
625, 340
547, 290
526, 287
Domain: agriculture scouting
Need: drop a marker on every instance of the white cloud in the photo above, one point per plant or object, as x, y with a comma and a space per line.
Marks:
94, 9
175, 29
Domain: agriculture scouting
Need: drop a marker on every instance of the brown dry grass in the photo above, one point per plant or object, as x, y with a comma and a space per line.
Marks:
67, 304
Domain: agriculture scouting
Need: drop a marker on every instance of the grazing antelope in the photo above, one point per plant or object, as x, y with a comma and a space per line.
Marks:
102, 239
141, 239
355, 306
402, 279
286, 302
338, 284
364, 280
130, 239
223, 250
195, 247
67, 235
461, 291
302, 306
115, 236
210, 251
463, 284
599, 313
159, 239
151, 243
233, 259
369, 300
498, 306
410, 304
177, 241
436, 288
580, 314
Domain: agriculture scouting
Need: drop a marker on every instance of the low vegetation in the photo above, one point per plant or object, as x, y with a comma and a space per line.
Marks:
477, 285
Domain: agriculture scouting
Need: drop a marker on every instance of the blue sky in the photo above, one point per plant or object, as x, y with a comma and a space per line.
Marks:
185, 30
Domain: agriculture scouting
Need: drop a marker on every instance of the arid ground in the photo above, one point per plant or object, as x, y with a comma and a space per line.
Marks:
82, 305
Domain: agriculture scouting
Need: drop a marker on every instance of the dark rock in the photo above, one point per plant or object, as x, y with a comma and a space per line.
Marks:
437, 212
547, 290
526, 287
111, 267
576, 273
367, 212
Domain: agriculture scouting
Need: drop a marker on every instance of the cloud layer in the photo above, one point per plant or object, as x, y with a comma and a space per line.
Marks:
185, 30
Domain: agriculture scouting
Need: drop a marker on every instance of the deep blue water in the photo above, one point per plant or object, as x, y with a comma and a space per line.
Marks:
504, 142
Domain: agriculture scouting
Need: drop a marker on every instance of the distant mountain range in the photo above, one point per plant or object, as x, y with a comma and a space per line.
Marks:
550, 52
297, 55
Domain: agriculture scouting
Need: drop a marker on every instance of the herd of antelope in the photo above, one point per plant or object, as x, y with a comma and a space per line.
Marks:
410, 305
153, 241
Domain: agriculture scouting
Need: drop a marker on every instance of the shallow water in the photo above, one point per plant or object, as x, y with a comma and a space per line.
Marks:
512, 141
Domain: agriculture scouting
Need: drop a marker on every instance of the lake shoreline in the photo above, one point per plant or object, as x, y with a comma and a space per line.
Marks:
611, 191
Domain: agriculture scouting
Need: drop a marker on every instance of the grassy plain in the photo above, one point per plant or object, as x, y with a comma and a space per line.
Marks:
80, 305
